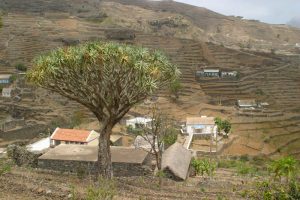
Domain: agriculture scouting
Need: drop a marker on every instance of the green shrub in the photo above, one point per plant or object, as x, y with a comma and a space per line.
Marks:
21, 156
274, 191
286, 167
227, 163
12, 78
1, 23
294, 190
246, 169
170, 138
204, 166
21, 67
244, 158
5, 166
104, 189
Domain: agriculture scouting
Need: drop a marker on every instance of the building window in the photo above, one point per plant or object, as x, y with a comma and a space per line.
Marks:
198, 130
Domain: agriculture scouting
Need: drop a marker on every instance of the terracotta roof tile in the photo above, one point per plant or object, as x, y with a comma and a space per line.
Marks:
72, 135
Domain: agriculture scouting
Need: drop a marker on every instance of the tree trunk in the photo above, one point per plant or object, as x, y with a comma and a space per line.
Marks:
104, 155
158, 158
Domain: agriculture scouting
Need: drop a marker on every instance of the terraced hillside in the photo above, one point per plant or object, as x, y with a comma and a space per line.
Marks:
37, 26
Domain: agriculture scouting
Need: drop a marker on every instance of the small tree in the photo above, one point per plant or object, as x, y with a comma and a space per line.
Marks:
226, 127
21, 67
219, 123
286, 166
223, 125
160, 133
175, 87
107, 78
204, 166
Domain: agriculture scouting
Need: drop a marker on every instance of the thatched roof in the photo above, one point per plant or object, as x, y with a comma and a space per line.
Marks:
177, 160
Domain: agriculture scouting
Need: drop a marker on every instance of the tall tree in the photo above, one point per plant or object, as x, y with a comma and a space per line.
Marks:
107, 78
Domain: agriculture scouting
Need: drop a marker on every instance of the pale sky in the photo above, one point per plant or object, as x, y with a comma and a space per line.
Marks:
270, 11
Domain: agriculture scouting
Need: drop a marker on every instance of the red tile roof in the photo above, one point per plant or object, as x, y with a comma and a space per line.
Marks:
71, 135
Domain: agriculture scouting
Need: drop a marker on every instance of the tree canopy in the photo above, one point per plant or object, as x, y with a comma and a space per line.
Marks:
108, 78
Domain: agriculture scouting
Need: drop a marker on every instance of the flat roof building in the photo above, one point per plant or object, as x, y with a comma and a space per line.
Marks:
126, 161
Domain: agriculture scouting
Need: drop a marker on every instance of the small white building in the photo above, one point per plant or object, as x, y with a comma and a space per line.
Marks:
208, 73
139, 122
203, 125
7, 92
229, 74
5, 78
247, 104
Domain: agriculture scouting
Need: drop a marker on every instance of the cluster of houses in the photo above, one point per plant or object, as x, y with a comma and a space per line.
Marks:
71, 149
14, 91
216, 73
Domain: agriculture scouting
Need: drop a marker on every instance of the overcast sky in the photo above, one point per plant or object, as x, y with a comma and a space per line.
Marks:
270, 11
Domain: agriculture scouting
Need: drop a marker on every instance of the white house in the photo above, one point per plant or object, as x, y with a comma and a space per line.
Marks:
229, 74
139, 122
208, 73
247, 103
4, 78
201, 126
7, 92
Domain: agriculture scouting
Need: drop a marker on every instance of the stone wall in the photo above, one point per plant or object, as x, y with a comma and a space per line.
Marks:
5, 126
119, 34
87, 167
25, 133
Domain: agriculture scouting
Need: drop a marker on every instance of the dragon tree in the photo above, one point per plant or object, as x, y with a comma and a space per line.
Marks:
108, 78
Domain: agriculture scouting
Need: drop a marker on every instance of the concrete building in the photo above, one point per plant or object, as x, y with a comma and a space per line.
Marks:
139, 122
201, 126
247, 104
7, 92
198, 127
71, 158
4, 79
229, 74
208, 73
